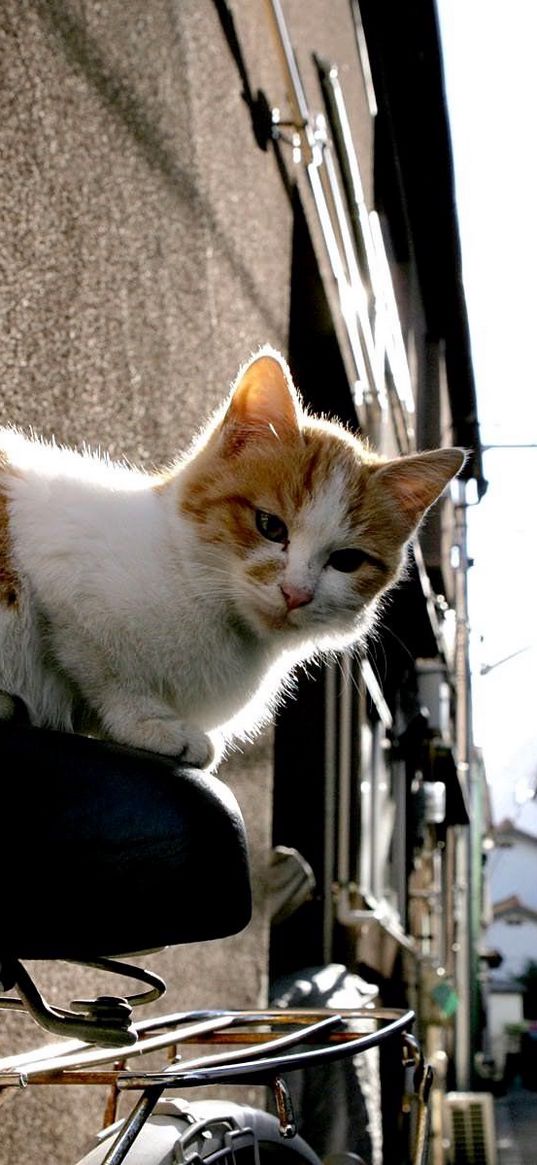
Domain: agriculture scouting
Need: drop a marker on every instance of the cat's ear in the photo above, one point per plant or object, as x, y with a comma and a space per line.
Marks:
414, 482
264, 405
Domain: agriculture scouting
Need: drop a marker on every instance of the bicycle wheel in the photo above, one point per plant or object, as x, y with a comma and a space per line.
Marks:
207, 1130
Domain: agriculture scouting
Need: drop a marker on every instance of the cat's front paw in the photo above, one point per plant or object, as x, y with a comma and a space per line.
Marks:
172, 738
7, 706
197, 750
155, 730
12, 709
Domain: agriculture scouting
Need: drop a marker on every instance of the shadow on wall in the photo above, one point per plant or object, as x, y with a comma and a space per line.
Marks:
85, 56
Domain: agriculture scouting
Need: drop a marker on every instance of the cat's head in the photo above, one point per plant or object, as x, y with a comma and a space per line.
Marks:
305, 526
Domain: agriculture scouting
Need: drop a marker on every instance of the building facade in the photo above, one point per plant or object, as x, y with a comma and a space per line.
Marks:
512, 930
183, 183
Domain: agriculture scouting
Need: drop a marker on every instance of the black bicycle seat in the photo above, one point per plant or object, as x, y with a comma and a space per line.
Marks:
107, 850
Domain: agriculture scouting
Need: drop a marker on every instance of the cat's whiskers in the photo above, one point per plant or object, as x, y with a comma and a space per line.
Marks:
397, 639
347, 674
374, 663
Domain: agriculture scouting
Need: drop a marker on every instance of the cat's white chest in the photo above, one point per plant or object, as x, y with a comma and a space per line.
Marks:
212, 669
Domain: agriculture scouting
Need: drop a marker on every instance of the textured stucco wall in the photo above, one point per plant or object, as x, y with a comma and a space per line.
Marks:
144, 237
145, 248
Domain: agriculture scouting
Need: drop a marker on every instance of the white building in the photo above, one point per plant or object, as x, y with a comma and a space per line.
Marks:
505, 1016
513, 932
512, 876
513, 865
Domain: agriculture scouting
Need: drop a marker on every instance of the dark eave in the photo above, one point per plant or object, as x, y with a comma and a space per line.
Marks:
415, 186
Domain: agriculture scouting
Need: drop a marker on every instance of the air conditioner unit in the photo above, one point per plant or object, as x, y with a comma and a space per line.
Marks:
470, 1128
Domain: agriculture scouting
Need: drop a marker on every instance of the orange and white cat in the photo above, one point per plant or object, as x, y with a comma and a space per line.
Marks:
167, 611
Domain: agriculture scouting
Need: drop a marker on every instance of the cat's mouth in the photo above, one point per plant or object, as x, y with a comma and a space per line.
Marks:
281, 620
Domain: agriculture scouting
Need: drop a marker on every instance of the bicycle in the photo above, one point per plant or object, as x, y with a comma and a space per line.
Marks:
139, 822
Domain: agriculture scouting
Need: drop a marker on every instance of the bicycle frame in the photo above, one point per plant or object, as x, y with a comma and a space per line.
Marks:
92, 825
256, 1052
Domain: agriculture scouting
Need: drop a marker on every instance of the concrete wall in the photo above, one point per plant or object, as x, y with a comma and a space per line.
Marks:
145, 238
145, 252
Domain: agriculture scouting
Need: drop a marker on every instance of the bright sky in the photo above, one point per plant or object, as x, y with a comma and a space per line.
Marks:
491, 84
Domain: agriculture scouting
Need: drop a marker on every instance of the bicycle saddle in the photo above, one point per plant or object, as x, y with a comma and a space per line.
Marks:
107, 850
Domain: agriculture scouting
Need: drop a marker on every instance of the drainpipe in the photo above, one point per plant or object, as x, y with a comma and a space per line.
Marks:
462, 899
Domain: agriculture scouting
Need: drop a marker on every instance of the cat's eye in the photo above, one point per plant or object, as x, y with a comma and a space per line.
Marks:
271, 526
347, 560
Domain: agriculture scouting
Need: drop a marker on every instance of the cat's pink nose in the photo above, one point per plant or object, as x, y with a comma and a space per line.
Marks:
296, 596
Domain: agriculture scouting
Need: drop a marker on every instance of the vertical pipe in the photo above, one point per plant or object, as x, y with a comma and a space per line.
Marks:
330, 796
463, 738
344, 771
